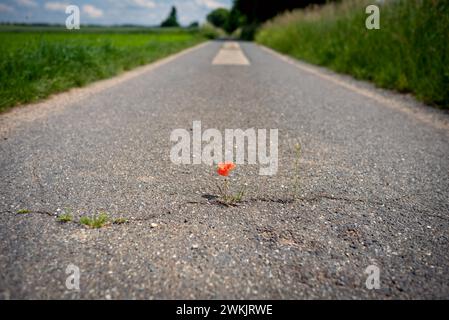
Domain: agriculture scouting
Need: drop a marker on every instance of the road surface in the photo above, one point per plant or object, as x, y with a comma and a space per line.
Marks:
374, 181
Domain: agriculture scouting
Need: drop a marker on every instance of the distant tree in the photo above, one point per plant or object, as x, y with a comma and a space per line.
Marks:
218, 17
250, 14
172, 19
235, 19
194, 24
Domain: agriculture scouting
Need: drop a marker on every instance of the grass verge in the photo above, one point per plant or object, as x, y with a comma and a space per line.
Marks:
410, 52
36, 62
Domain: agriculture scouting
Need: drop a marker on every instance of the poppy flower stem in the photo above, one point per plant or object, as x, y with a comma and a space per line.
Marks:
225, 191
226, 187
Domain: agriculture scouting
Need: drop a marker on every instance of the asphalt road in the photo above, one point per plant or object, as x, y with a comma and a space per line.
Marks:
374, 178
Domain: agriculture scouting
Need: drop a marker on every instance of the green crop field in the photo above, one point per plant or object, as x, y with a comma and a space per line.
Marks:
409, 53
38, 61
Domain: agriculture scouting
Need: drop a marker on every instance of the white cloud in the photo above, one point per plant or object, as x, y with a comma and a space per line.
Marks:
5, 8
56, 6
27, 3
145, 3
92, 11
211, 4
145, 12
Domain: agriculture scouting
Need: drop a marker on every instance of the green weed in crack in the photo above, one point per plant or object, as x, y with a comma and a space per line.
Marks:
23, 211
65, 217
95, 222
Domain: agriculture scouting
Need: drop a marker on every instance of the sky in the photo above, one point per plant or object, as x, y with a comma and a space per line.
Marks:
108, 12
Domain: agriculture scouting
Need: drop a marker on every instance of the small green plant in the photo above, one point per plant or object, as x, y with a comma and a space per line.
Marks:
120, 221
23, 211
65, 217
95, 221
226, 197
239, 196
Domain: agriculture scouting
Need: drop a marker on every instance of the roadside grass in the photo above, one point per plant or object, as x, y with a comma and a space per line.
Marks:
35, 63
410, 52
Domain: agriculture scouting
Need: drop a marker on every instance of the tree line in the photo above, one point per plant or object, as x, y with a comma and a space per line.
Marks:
247, 15
250, 14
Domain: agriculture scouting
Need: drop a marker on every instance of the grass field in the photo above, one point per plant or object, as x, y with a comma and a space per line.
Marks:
38, 61
410, 52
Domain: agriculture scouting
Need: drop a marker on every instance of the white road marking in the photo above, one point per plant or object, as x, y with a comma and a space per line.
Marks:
230, 54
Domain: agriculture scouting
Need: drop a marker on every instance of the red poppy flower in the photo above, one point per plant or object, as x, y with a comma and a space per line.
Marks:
224, 168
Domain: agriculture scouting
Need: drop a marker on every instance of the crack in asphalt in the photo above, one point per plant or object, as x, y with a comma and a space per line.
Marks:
294, 199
